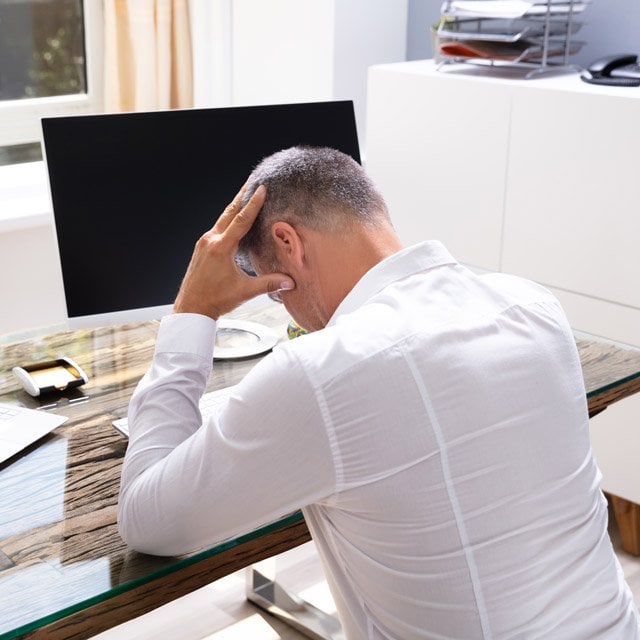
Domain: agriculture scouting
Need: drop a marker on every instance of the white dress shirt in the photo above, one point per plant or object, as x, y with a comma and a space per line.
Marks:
435, 434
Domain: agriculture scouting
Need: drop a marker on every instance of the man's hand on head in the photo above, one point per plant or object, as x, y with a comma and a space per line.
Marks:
214, 284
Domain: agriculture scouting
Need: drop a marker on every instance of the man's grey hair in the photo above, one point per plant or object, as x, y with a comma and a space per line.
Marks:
318, 187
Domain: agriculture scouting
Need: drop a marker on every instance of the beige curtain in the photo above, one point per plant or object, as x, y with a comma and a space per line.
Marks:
147, 55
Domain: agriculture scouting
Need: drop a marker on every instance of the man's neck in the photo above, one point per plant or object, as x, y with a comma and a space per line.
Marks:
347, 257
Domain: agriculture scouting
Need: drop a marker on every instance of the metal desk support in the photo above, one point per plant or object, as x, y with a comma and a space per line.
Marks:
267, 594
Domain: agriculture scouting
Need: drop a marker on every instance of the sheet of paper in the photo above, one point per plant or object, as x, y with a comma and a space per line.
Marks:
491, 8
509, 8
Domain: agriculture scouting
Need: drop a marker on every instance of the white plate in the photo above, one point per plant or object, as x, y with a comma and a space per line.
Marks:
242, 339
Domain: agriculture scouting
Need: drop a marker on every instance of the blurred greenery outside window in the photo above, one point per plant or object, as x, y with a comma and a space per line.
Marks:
42, 55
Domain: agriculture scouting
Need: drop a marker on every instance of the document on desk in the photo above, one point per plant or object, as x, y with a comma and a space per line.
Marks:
20, 427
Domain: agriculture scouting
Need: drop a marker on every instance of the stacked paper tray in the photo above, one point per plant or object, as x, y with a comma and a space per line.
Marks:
532, 33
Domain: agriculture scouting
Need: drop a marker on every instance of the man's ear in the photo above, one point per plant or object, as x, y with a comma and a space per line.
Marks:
289, 245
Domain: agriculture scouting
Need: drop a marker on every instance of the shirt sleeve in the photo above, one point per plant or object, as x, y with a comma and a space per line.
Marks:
186, 486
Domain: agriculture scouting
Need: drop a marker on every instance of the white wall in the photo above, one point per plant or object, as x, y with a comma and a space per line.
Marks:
291, 51
367, 32
282, 51
30, 281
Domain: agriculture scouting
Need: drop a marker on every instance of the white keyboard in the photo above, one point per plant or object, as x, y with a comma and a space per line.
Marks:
210, 403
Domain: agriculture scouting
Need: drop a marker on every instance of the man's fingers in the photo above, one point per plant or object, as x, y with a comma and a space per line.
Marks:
270, 283
242, 221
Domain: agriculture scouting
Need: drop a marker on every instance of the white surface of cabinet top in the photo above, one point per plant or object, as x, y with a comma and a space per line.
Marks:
508, 76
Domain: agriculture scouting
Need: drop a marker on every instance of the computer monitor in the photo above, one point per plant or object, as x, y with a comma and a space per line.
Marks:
132, 192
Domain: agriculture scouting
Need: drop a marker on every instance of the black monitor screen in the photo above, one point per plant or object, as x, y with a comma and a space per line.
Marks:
132, 192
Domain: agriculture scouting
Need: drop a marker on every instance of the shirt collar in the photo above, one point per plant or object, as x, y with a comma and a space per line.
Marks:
416, 259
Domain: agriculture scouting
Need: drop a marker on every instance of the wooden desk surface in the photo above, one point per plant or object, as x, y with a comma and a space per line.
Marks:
610, 372
64, 572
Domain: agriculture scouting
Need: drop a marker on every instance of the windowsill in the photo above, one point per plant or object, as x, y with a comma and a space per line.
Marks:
24, 198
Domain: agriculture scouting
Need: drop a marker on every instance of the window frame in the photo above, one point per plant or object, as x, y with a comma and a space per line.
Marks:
20, 119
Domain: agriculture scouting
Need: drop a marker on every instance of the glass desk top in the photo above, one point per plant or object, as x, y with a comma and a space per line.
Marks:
60, 552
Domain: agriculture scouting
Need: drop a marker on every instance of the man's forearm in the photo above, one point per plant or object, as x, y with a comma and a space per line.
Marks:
164, 408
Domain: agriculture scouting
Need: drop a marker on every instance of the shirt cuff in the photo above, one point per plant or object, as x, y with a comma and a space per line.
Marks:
187, 333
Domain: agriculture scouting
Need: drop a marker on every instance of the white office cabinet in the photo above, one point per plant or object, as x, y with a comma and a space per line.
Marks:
292, 51
573, 193
534, 177
616, 445
439, 156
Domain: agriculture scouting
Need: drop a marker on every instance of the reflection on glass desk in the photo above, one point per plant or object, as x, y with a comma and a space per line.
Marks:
64, 572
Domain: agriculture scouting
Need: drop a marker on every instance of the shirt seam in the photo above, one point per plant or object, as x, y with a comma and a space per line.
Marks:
453, 499
338, 464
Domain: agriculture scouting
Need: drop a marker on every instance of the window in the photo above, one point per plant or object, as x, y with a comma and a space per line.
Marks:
50, 64
41, 49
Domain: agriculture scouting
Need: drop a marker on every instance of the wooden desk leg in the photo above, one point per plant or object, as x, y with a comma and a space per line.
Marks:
628, 519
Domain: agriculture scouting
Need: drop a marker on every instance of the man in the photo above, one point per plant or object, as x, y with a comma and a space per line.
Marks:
432, 426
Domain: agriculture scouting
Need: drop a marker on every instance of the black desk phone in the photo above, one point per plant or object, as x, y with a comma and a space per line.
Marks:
620, 70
